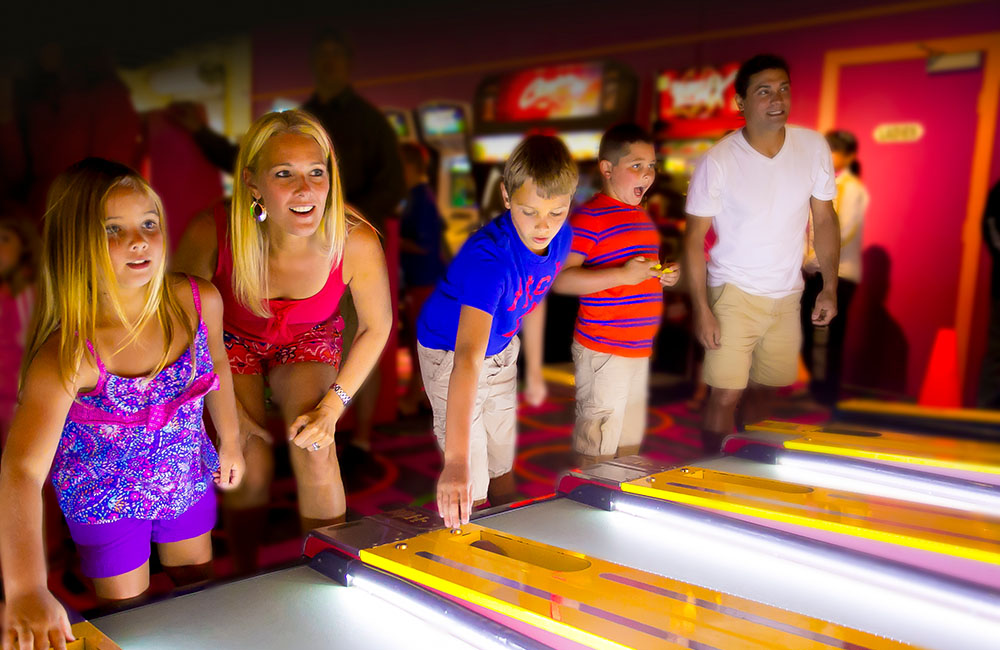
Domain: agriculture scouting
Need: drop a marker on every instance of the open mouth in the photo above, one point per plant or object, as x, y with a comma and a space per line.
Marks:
138, 265
303, 210
639, 191
776, 113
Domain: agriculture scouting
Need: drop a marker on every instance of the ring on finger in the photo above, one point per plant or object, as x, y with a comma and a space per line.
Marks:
314, 446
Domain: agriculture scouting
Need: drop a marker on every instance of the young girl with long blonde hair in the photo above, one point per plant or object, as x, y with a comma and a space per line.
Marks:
120, 360
281, 258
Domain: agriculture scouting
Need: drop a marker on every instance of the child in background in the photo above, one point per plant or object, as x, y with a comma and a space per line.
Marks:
614, 268
421, 230
823, 347
467, 332
119, 363
17, 298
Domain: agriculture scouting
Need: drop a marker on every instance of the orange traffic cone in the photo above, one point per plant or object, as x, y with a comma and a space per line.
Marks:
941, 386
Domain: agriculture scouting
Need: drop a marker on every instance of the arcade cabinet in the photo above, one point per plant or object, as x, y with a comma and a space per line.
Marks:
694, 109
444, 128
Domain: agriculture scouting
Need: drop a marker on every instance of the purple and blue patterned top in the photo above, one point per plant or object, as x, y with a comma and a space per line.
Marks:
137, 449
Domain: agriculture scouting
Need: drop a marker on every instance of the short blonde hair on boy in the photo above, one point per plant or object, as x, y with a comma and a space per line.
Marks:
545, 160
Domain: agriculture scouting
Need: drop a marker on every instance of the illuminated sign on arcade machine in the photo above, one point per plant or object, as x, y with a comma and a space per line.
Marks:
401, 121
577, 102
444, 126
695, 107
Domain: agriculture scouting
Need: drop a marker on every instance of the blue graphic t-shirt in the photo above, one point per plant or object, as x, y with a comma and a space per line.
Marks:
494, 272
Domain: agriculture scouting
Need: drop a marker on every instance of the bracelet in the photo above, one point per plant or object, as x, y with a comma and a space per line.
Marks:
341, 393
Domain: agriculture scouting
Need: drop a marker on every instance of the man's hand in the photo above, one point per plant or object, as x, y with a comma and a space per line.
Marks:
825, 309
706, 330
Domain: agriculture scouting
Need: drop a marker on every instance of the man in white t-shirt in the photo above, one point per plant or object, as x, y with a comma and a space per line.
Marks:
756, 188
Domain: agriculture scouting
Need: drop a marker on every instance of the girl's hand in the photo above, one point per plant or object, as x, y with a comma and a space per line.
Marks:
35, 620
231, 466
315, 430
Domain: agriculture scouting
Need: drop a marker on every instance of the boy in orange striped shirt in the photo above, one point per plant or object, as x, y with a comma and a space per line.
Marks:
613, 267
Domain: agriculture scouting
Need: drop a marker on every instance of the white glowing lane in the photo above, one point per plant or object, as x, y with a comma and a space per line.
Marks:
717, 561
290, 608
864, 478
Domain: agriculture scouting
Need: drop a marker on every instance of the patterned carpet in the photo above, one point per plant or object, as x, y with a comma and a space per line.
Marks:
405, 463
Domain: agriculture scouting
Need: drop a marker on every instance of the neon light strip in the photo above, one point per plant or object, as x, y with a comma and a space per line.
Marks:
746, 537
892, 483
563, 602
804, 444
992, 557
735, 613
495, 604
842, 515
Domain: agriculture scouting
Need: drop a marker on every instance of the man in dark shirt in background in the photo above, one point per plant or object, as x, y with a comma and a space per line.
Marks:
989, 382
371, 175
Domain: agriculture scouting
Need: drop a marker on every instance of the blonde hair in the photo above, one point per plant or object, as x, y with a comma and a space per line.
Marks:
545, 160
248, 237
76, 268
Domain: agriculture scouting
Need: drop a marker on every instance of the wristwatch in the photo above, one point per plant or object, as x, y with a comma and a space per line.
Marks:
341, 393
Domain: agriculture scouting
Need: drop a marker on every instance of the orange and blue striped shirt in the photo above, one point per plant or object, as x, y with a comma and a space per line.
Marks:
621, 320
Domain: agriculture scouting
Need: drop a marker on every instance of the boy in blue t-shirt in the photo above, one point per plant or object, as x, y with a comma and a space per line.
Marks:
467, 332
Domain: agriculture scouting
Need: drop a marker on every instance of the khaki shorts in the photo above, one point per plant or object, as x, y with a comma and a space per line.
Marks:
493, 436
611, 397
761, 339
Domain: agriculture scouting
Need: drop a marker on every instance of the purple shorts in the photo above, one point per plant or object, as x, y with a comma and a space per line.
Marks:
108, 550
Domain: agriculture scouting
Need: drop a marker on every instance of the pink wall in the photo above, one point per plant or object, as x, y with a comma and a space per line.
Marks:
411, 43
474, 35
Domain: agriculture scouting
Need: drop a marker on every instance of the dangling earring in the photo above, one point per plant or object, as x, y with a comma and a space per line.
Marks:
257, 208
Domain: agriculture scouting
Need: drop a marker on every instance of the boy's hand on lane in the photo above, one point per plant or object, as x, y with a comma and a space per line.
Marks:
454, 494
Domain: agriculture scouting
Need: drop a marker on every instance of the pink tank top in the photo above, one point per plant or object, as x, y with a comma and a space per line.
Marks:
290, 317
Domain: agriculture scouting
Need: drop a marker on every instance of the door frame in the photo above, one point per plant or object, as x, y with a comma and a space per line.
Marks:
982, 152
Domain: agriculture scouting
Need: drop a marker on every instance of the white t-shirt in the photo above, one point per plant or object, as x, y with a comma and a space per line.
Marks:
760, 208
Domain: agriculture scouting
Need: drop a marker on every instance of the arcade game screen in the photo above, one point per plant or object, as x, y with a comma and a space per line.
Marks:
447, 120
463, 187
399, 125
